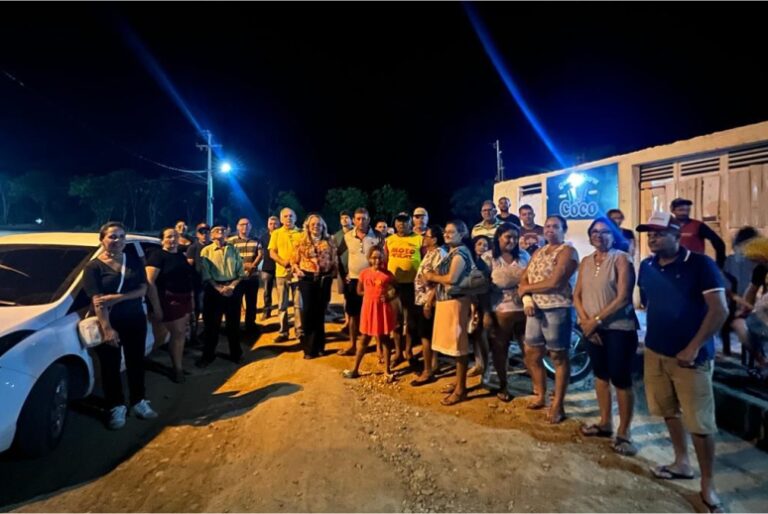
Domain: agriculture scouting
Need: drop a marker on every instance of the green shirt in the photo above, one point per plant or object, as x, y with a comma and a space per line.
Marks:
221, 264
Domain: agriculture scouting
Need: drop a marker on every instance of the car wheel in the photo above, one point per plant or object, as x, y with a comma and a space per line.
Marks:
44, 414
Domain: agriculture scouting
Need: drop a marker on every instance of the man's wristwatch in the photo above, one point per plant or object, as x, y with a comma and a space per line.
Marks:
598, 320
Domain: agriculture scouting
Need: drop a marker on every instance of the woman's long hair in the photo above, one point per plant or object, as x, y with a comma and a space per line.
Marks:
501, 229
306, 236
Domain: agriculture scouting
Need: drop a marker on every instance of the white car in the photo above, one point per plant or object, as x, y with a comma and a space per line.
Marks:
42, 362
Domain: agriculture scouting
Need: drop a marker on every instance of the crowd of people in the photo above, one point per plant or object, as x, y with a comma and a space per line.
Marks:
455, 292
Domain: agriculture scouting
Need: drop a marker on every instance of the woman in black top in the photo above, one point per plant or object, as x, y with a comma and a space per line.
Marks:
117, 301
170, 281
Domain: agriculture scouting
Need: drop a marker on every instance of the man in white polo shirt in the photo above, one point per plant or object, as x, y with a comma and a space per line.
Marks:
356, 243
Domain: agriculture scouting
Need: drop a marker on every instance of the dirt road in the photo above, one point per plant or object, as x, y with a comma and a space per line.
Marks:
285, 434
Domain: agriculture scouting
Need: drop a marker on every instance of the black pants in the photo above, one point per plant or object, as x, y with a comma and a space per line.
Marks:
250, 291
133, 336
315, 295
214, 307
268, 278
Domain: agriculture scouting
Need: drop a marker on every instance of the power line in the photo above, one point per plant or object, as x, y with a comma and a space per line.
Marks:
99, 134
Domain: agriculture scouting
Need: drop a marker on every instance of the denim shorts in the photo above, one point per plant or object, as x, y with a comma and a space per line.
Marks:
551, 327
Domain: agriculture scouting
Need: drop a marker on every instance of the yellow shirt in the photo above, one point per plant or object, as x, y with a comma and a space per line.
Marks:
284, 241
404, 256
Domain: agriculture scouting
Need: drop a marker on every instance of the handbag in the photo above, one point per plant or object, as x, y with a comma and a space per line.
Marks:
474, 282
89, 328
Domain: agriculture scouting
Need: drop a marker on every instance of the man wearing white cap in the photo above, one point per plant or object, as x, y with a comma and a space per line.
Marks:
420, 220
684, 295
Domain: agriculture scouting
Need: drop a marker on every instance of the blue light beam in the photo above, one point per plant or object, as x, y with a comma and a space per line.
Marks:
482, 33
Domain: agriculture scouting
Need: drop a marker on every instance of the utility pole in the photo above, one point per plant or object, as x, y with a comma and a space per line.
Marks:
499, 163
209, 146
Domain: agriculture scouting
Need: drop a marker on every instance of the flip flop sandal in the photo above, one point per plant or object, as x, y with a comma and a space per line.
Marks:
557, 419
712, 507
664, 473
453, 399
346, 353
448, 389
473, 372
503, 396
419, 382
595, 430
348, 373
624, 447
535, 406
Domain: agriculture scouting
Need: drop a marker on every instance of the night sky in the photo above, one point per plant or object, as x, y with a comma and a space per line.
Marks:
312, 96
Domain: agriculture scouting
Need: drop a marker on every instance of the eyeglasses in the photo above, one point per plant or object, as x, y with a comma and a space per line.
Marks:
600, 233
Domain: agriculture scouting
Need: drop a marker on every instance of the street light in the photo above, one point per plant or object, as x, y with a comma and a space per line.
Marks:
225, 167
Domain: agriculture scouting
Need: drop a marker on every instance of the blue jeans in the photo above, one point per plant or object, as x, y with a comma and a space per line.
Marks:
551, 327
286, 291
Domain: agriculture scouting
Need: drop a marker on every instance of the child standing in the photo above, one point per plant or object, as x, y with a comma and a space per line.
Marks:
377, 318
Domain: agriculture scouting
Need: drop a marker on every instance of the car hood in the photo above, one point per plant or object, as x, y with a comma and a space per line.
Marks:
26, 317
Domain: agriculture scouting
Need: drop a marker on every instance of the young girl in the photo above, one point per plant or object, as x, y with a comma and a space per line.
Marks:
377, 318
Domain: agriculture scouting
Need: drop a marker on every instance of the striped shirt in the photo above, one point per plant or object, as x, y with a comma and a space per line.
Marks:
249, 249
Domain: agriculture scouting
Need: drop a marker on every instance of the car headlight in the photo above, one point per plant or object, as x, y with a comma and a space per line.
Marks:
8, 341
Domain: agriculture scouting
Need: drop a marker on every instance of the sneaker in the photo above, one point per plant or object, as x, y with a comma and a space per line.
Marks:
142, 410
117, 417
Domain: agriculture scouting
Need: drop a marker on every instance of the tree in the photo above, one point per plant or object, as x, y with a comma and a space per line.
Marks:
155, 194
466, 202
38, 186
5, 198
388, 202
97, 193
127, 201
288, 199
340, 199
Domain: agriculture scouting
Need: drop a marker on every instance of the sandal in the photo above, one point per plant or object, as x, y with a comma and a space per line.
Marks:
557, 417
712, 507
536, 405
665, 473
448, 389
624, 447
503, 395
418, 382
453, 399
595, 430
349, 373
346, 353
391, 378
475, 371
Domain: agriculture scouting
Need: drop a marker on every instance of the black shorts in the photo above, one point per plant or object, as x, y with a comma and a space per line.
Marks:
353, 302
424, 326
612, 361
407, 294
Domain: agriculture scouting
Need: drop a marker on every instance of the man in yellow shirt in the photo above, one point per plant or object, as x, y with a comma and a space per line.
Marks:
282, 244
404, 257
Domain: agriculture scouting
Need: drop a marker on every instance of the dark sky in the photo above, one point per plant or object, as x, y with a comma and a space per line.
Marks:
311, 96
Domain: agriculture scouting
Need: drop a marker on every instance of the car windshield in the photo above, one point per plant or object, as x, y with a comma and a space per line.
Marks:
37, 274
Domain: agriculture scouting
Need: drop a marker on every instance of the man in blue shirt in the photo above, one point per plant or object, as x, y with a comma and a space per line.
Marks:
684, 294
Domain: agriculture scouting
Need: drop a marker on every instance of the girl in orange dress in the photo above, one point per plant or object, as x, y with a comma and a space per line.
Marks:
377, 318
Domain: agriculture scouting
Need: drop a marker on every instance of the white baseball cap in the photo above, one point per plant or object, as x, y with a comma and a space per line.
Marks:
659, 221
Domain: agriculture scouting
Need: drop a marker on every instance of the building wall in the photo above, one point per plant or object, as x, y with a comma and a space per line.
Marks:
755, 184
